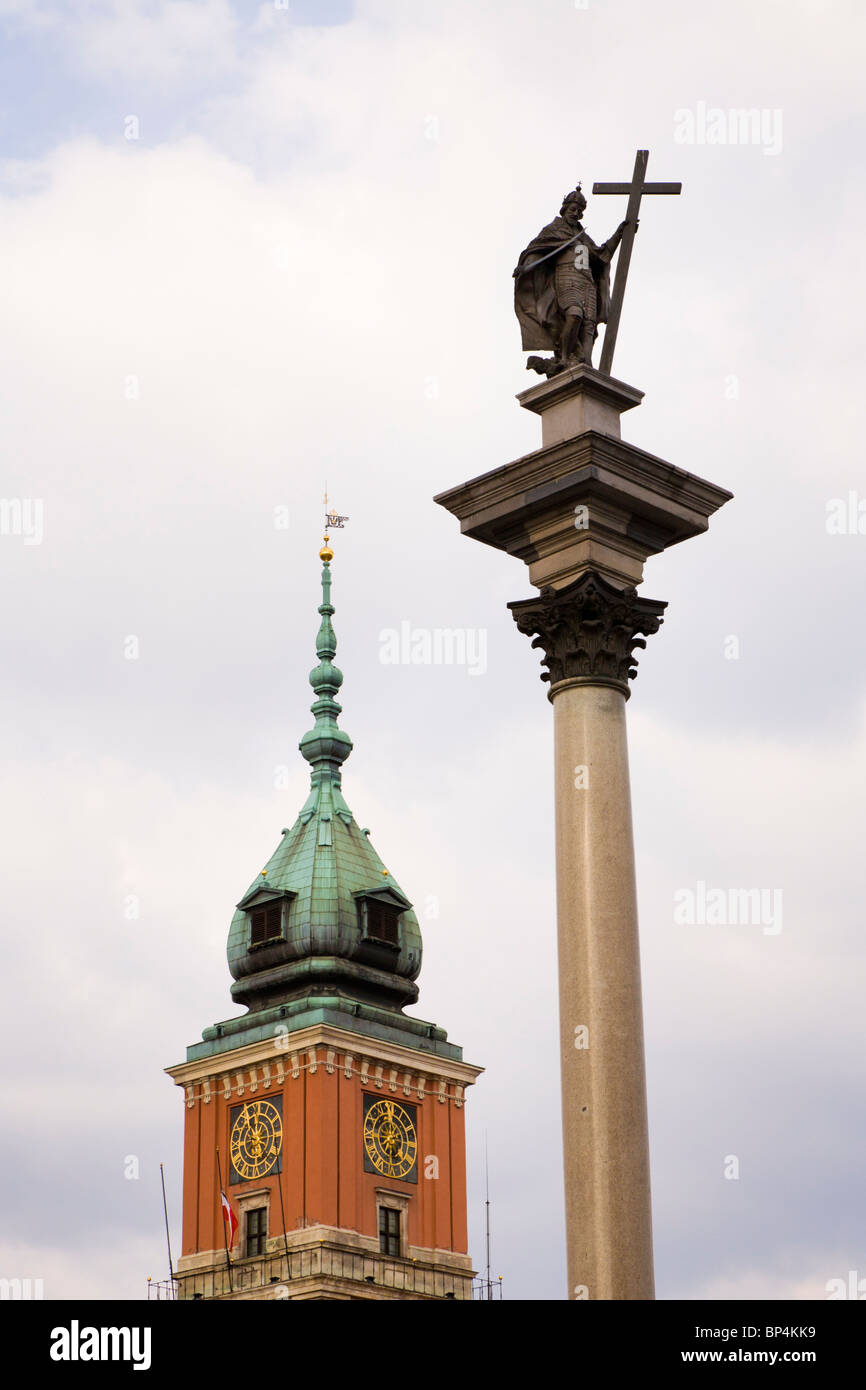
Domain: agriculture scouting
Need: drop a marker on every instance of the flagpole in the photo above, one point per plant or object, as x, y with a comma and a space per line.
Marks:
222, 1214
167, 1236
283, 1210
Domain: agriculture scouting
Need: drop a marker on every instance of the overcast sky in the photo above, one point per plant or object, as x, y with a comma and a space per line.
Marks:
247, 249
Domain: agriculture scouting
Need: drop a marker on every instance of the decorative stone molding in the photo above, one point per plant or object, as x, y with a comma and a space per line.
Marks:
327, 1049
588, 630
367, 1069
311, 1236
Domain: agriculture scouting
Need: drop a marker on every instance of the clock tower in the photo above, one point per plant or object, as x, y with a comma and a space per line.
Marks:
324, 1143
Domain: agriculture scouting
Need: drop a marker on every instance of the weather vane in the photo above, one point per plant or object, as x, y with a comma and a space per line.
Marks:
332, 518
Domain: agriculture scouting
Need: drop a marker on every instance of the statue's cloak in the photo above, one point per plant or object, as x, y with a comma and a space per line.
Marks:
534, 289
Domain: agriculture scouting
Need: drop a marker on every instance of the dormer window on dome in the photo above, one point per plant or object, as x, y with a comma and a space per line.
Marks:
379, 914
266, 924
266, 911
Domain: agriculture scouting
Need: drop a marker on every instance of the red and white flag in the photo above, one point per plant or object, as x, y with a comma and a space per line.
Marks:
230, 1219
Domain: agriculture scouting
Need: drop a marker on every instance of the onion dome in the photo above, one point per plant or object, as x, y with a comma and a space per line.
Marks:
325, 932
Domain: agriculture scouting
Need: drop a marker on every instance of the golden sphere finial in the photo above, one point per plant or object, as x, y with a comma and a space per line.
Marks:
326, 553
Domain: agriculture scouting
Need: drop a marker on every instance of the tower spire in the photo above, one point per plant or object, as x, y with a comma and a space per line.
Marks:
325, 924
326, 746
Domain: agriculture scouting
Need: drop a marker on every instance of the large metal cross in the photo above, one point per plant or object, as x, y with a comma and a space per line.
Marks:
634, 190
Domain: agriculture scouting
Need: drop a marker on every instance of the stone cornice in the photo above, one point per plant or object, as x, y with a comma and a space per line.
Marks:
588, 631
481, 498
634, 501
262, 1065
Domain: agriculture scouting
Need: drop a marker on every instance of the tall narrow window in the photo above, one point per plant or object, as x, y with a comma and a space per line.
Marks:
389, 1231
257, 1230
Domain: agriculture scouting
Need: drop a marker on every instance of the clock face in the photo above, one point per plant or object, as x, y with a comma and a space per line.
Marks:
390, 1139
256, 1140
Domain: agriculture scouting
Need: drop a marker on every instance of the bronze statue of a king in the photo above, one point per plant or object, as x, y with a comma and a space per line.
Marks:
562, 288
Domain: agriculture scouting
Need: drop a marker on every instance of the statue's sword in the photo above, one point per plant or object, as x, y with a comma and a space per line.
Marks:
557, 251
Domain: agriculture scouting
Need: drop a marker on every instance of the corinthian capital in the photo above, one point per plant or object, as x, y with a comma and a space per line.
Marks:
588, 630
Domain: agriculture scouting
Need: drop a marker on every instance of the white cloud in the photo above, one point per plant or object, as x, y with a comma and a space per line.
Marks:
283, 285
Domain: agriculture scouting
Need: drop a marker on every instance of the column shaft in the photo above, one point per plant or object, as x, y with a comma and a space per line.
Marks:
604, 1113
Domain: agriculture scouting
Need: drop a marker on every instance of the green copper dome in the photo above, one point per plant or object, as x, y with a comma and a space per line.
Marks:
325, 932
338, 918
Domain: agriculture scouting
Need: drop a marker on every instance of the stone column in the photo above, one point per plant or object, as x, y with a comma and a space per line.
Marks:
584, 512
587, 632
